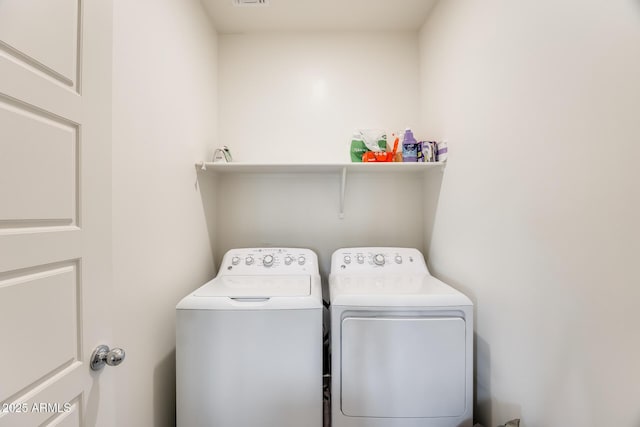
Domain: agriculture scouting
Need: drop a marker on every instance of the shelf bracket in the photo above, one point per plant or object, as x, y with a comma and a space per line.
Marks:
343, 184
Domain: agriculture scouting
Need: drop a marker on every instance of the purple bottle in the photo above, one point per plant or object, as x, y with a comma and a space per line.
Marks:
409, 147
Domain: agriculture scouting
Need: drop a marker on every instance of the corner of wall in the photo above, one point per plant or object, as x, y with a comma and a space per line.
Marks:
164, 121
542, 240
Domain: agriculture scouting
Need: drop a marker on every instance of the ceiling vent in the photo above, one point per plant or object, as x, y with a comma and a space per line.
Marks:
241, 3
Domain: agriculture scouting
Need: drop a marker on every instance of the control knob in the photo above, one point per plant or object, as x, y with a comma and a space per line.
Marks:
288, 260
248, 260
360, 259
267, 261
378, 259
347, 259
235, 260
398, 259
301, 260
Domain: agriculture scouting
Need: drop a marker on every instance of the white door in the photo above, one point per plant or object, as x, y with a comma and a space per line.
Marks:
55, 211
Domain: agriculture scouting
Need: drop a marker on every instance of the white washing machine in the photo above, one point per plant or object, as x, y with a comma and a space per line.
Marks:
249, 343
401, 343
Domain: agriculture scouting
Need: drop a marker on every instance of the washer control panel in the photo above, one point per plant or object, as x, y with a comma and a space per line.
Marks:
378, 259
269, 261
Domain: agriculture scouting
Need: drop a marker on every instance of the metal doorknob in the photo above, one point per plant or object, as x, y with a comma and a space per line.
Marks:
103, 355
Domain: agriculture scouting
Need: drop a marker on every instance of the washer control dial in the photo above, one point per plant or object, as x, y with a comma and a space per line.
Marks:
288, 260
267, 261
398, 259
235, 260
347, 259
248, 260
301, 260
378, 259
360, 259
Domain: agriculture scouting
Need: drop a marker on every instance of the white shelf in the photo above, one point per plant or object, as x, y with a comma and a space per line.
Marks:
320, 168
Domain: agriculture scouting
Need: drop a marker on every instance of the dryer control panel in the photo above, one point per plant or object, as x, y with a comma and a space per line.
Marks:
269, 261
378, 259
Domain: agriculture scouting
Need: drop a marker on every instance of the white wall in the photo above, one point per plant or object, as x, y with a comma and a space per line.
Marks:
539, 207
302, 211
296, 97
164, 120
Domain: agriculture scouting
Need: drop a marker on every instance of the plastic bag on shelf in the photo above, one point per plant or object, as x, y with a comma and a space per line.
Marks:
367, 140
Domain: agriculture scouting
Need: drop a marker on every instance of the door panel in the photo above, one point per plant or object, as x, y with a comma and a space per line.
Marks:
45, 302
39, 159
55, 211
44, 34
403, 367
58, 389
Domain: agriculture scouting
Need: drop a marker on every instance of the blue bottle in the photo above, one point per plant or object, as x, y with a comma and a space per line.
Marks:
409, 147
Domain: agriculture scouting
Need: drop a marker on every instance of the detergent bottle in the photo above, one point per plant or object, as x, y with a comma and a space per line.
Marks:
409, 147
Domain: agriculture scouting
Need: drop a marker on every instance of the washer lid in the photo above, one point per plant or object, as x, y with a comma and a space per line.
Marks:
256, 287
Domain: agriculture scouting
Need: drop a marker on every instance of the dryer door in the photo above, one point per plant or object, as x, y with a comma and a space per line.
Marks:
403, 367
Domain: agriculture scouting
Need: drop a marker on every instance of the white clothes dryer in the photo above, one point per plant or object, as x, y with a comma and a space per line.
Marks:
401, 343
249, 343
